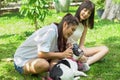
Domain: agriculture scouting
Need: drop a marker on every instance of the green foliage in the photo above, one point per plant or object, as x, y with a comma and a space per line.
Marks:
55, 0
34, 9
116, 1
99, 4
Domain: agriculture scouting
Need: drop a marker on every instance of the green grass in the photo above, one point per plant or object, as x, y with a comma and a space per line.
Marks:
14, 29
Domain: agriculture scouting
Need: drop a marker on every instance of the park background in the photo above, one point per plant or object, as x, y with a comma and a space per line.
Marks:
15, 28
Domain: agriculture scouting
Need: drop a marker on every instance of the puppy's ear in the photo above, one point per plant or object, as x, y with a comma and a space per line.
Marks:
65, 62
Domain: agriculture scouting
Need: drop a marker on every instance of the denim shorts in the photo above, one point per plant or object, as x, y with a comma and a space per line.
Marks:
19, 69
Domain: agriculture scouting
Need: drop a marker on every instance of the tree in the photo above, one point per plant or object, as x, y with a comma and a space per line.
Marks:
112, 10
99, 6
34, 10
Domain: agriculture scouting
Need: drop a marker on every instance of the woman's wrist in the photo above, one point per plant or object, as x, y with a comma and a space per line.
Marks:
61, 55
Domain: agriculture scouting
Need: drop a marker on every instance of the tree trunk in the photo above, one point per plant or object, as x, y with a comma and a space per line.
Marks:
118, 13
107, 9
0, 4
36, 23
111, 11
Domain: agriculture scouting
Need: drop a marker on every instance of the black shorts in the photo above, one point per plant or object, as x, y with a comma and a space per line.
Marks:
19, 69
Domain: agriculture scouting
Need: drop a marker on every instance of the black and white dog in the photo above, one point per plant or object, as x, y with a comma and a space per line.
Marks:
67, 69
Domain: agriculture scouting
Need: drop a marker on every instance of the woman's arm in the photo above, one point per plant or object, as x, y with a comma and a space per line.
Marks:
51, 55
56, 55
82, 39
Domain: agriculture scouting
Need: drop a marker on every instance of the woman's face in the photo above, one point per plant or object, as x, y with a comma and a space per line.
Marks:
68, 30
85, 14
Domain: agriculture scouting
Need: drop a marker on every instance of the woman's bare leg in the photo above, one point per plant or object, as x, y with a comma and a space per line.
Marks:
35, 66
95, 53
53, 62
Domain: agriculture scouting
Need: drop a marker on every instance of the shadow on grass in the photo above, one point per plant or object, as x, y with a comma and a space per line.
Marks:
113, 44
102, 22
24, 34
6, 36
91, 43
108, 67
112, 40
72, 11
9, 73
105, 69
8, 49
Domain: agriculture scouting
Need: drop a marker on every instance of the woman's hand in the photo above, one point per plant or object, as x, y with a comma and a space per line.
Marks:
68, 53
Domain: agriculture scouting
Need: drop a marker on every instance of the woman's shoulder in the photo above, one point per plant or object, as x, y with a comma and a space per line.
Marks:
48, 28
52, 28
80, 27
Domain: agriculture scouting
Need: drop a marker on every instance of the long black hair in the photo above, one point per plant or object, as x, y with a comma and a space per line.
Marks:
88, 5
70, 20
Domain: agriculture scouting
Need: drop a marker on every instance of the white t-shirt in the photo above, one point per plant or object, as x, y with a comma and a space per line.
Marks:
44, 39
76, 35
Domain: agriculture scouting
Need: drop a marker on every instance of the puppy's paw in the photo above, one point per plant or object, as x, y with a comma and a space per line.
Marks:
80, 73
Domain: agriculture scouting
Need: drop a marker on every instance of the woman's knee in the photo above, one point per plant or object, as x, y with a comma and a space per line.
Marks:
105, 49
36, 66
43, 64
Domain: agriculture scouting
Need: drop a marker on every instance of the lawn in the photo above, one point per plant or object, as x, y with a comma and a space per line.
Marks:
14, 29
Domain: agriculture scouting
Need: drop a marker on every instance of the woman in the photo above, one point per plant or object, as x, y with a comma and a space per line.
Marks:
85, 15
46, 44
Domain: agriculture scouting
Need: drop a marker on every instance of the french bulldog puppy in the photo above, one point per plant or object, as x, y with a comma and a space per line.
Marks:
66, 69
